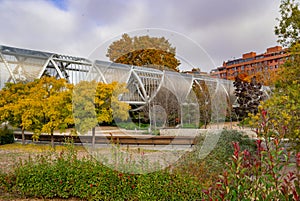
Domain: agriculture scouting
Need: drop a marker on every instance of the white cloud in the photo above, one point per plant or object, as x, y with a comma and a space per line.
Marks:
223, 28
35, 24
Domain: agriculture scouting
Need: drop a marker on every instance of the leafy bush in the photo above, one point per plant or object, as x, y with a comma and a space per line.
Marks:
256, 173
267, 174
64, 175
6, 136
206, 169
259, 176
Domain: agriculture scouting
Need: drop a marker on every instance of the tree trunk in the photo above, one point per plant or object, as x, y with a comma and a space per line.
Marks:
23, 136
93, 136
52, 140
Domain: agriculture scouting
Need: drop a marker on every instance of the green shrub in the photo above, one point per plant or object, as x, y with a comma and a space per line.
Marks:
269, 173
206, 169
263, 175
64, 175
250, 172
6, 136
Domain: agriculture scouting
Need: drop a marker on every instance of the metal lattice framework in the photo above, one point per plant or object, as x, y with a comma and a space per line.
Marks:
143, 83
26, 65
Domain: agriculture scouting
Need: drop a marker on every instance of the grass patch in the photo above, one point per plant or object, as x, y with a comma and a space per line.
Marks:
33, 148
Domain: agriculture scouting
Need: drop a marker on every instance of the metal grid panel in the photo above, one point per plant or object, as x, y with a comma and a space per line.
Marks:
74, 69
113, 72
22, 67
178, 84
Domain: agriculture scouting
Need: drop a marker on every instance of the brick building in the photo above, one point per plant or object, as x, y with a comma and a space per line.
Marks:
252, 64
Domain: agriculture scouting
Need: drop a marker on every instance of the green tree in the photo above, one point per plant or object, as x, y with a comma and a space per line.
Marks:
153, 52
288, 30
282, 110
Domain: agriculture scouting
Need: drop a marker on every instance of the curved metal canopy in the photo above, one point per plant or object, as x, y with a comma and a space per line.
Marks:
143, 83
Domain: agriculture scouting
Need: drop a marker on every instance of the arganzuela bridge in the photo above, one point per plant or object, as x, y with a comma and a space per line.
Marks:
143, 83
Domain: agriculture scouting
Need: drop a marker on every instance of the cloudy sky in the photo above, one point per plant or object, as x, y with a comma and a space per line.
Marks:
221, 30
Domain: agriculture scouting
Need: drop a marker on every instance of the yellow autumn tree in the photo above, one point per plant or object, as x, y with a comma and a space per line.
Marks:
84, 106
266, 77
16, 106
53, 105
153, 52
95, 103
107, 103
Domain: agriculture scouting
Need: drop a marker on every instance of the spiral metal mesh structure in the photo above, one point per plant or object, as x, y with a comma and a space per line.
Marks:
143, 83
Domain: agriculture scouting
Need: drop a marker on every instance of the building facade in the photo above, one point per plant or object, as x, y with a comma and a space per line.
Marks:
252, 64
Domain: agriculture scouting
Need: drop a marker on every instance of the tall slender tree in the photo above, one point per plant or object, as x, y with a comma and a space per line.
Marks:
288, 29
283, 108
